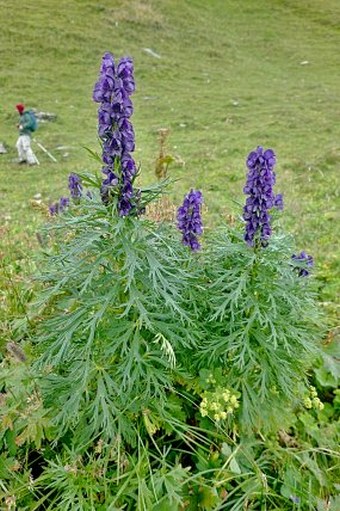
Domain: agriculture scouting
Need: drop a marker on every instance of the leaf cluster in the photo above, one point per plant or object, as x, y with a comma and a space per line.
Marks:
132, 333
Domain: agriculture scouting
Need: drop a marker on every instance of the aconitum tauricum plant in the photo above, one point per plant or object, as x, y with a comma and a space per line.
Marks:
264, 325
118, 313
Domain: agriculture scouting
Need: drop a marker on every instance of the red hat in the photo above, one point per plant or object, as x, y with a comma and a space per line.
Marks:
20, 107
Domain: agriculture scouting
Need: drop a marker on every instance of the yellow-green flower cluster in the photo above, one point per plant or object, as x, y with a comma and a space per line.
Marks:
218, 404
312, 400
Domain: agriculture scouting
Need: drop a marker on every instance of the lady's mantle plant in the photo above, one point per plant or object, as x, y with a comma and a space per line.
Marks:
154, 362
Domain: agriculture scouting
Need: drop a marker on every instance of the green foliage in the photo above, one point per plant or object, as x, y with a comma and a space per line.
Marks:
115, 298
103, 379
160, 379
263, 318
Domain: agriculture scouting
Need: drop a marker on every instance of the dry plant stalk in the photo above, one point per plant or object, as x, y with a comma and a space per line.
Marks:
15, 350
162, 211
163, 160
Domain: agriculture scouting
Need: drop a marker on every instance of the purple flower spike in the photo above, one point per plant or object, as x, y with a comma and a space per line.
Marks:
189, 220
64, 202
112, 91
75, 186
59, 207
259, 187
303, 260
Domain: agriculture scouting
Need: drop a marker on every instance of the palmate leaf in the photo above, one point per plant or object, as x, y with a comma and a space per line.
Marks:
167, 484
208, 498
327, 370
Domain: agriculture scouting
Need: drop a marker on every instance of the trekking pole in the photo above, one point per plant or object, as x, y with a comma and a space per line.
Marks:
45, 150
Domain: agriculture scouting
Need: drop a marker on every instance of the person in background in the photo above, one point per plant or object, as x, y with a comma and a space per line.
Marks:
23, 145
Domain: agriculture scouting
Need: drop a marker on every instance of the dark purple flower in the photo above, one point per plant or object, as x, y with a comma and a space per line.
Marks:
189, 220
278, 201
59, 207
259, 187
112, 91
124, 205
53, 209
105, 119
111, 178
104, 86
303, 260
75, 186
128, 165
64, 202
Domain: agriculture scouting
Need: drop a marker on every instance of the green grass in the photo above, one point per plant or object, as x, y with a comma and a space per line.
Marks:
231, 75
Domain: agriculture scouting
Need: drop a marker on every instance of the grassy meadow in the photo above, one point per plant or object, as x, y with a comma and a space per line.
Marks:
222, 75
